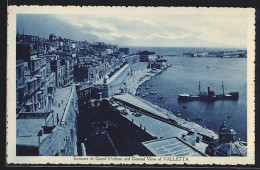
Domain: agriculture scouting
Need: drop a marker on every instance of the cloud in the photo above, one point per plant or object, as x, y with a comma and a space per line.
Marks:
44, 25
142, 29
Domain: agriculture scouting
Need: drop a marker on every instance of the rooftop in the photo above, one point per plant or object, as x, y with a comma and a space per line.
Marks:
28, 127
237, 149
139, 103
52, 35
171, 147
200, 129
230, 149
27, 131
35, 59
31, 80
153, 126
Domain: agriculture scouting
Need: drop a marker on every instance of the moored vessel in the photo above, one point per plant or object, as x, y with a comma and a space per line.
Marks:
210, 96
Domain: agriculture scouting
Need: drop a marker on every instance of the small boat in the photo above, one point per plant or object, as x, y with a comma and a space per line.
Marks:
151, 92
199, 118
151, 85
160, 97
208, 67
229, 116
178, 114
147, 87
155, 92
146, 94
143, 95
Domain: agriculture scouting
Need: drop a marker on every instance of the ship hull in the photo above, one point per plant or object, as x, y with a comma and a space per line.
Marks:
228, 96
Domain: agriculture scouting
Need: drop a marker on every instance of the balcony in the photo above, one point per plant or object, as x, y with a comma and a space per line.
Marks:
32, 90
38, 76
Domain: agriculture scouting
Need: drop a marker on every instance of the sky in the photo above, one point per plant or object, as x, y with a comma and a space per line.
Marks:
137, 28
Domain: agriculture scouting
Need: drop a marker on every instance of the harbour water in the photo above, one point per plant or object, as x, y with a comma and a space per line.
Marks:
184, 77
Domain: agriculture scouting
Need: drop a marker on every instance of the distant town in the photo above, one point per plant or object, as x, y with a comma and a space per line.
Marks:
76, 98
222, 54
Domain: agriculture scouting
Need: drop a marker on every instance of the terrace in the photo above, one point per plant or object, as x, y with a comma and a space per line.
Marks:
171, 147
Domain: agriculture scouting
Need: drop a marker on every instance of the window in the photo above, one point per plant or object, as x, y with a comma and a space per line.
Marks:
20, 95
19, 72
197, 139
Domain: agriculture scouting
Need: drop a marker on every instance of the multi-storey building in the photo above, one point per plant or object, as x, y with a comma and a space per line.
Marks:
124, 51
20, 84
68, 62
59, 71
44, 64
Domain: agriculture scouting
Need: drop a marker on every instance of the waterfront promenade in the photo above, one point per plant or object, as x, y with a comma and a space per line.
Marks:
137, 75
128, 78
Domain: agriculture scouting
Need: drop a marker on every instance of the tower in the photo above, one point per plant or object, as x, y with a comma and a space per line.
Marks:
231, 135
52, 37
222, 132
226, 135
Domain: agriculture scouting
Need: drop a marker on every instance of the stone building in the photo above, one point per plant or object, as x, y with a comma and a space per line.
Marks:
49, 132
20, 84
52, 37
226, 145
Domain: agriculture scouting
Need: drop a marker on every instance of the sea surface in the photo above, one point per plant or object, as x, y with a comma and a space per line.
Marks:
184, 77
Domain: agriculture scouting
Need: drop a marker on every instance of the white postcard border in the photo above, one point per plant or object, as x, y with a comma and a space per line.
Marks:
11, 96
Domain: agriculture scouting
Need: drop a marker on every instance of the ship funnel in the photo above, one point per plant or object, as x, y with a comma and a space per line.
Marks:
208, 90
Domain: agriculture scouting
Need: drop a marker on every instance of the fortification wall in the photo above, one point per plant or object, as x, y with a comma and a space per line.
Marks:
118, 81
62, 141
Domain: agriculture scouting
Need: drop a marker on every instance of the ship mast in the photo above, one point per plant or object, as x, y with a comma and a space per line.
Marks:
199, 87
223, 88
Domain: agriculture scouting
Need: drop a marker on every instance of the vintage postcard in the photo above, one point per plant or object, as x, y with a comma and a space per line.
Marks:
130, 85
